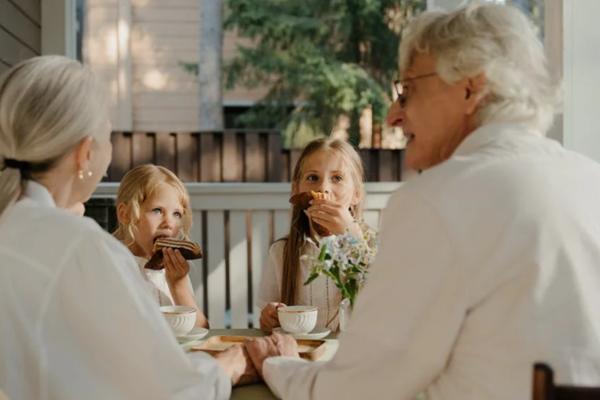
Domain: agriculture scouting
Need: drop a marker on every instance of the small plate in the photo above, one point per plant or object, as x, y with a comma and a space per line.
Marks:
195, 334
317, 333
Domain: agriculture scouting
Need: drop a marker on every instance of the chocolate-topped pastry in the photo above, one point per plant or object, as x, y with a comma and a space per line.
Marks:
189, 251
302, 201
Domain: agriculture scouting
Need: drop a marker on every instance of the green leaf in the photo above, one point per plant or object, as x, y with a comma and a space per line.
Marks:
314, 275
323, 253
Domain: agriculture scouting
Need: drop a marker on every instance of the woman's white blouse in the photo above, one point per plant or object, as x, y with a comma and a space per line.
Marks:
321, 292
76, 320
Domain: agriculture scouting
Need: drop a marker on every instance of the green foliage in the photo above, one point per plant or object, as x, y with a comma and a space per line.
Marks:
323, 57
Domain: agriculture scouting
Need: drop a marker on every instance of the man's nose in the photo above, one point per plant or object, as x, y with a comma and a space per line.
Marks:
395, 115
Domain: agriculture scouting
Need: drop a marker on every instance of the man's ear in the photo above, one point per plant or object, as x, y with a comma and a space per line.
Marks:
83, 153
475, 92
123, 213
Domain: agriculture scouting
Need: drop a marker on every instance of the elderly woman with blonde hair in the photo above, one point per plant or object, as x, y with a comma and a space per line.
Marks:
77, 320
489, 256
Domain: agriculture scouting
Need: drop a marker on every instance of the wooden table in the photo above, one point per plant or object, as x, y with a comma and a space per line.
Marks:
260, 391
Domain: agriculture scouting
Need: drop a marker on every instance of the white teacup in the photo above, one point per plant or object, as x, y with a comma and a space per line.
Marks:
297, 319
181, 318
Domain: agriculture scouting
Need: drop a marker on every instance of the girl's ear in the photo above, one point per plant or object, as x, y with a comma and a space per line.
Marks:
357, 198
123, 213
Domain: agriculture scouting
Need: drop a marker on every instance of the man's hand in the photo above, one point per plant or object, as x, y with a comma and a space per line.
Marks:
277, 344
237, 364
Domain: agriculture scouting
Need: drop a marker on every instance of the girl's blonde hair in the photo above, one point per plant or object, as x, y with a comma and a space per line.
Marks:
47, 105
137, 186
299, 227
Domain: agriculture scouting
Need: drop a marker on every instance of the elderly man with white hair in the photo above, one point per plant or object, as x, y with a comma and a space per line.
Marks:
489, 257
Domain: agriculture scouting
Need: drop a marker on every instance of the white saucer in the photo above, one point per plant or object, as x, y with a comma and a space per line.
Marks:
317, 333
195, 334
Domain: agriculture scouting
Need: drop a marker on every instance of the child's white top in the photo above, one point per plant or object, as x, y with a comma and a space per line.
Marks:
321, 292
157, 283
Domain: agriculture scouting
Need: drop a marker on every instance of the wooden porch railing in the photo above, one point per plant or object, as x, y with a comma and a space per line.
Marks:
229, 156
235, 223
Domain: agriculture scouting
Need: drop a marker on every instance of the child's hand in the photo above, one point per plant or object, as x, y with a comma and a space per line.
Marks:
176, 270
269, 318
176, 267
332, 216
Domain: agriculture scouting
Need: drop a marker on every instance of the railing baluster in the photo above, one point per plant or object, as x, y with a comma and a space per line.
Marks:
281, 224
259, 251
216, 268
238, 269
196, 267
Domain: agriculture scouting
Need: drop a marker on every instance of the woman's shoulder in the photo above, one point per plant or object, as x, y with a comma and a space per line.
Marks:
61, 234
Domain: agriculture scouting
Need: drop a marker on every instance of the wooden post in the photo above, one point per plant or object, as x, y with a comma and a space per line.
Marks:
209, 66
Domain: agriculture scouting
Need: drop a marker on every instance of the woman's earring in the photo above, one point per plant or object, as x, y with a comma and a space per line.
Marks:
81, 176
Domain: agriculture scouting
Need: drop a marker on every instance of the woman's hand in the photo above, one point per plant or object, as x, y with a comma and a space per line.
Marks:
237, 364
176, 267
277, 344
334, 217
269, 318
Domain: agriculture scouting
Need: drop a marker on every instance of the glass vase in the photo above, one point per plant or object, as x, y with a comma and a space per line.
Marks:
345, 314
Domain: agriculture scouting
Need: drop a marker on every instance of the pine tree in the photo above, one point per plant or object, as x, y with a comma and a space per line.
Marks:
320, 59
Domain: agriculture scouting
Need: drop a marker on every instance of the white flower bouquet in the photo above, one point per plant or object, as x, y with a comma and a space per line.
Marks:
345, 260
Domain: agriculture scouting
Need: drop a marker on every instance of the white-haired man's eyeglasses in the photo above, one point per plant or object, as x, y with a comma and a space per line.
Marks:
400, 87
